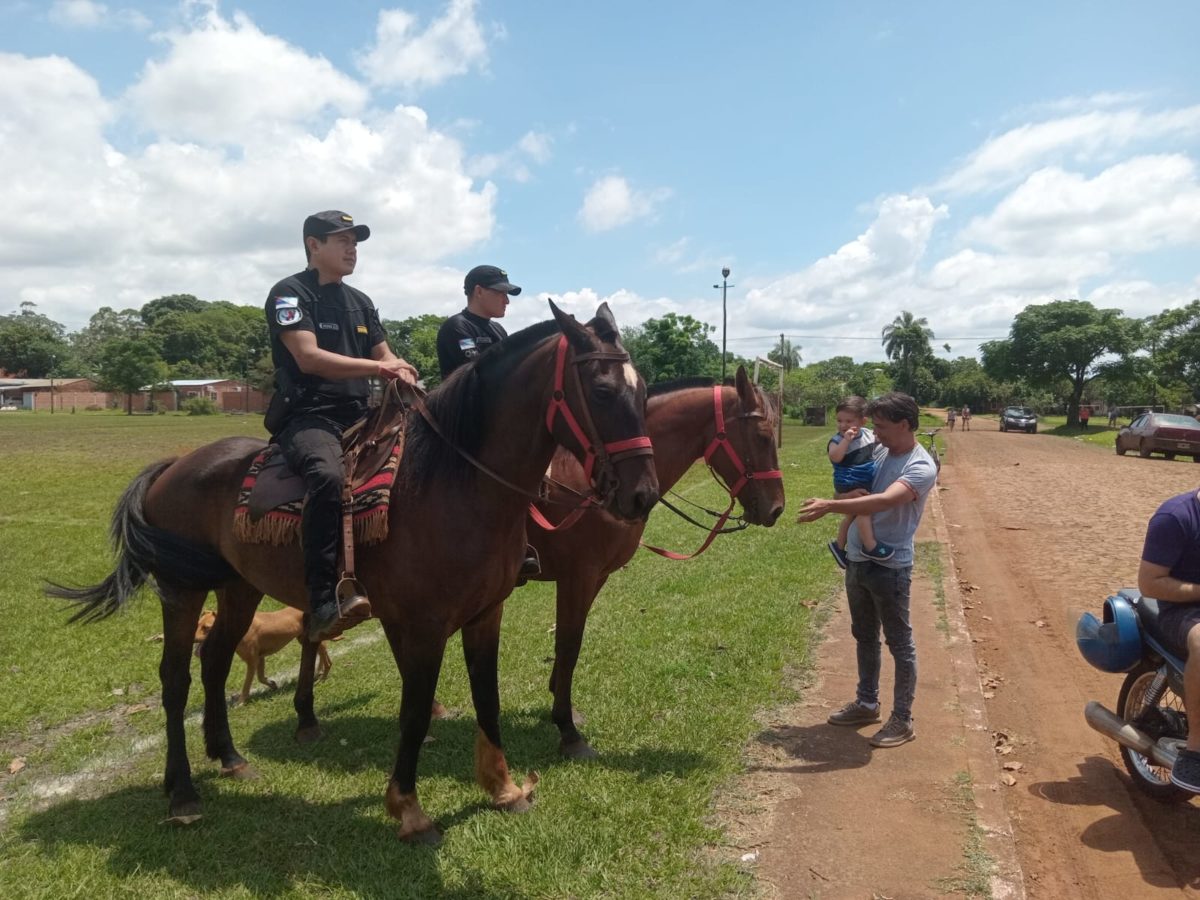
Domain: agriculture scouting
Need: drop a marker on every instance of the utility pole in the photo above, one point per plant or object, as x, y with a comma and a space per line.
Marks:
724, 286
782, 373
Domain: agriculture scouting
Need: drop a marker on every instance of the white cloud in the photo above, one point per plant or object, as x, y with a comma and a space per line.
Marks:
1135, 206
402, 56
77, 13
533, 148
1094, 135
226, 82
610, 202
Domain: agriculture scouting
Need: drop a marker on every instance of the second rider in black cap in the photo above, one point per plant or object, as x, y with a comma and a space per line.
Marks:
464, 336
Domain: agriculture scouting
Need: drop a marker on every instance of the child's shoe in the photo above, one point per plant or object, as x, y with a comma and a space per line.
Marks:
839, 555
881, 553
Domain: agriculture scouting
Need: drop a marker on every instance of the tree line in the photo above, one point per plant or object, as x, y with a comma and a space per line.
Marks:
1059, 354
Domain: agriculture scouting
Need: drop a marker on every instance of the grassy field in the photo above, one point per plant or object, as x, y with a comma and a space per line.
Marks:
678, 659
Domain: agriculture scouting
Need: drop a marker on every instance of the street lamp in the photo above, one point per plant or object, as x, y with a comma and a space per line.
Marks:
724, 286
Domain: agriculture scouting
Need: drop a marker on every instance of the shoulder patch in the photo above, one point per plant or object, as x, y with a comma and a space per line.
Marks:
287, 302
466, 343
288, 315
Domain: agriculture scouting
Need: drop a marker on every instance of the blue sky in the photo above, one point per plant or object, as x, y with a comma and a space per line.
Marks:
846, 161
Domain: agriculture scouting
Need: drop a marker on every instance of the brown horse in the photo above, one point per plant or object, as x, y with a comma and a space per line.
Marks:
455, 541
682, 421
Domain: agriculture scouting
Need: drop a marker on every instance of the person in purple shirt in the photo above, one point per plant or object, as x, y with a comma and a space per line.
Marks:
1170, 573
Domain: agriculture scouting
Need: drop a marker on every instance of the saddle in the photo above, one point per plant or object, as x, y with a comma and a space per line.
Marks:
272, 495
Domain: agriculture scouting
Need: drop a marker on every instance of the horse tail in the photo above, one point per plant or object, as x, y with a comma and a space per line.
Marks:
143, 550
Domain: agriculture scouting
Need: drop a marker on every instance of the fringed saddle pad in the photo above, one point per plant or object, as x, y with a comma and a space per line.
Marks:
271, 501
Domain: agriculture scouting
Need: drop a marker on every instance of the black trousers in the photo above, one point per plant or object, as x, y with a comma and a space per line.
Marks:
313, 447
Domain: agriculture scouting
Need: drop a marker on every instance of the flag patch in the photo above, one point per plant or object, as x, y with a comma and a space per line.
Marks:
289, 316
361, 329
287, 302
466, 344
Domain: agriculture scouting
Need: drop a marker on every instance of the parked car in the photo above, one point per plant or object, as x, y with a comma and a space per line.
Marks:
1019, 418
1163, 433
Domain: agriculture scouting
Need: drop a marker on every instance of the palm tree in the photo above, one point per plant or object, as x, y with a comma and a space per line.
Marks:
907, 341
787, 355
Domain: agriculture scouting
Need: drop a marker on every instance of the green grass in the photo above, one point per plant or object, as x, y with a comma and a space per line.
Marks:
1098, 432
927, 557
678, 659
974, 878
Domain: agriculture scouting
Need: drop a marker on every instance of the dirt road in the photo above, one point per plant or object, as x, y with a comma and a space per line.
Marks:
1043, 528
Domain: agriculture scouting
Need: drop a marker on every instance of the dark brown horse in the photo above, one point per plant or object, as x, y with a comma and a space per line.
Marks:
455, 542
682, 421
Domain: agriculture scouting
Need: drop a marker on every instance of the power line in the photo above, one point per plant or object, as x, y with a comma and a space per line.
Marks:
846, 337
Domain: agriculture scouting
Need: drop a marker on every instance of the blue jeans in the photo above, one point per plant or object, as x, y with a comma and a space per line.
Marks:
879, 597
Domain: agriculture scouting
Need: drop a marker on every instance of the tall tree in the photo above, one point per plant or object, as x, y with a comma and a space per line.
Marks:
105, 326
906, 341
787, 355
1064, 339
1173, 339
674, 346
128, 365
31, 345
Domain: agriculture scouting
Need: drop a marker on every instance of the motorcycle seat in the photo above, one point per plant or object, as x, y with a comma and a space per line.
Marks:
1148, 613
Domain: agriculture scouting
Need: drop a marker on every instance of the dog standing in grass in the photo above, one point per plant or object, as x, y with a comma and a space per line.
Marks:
269, 633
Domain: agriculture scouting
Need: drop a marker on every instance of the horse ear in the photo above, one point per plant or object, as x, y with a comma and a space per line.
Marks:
581, 339
745, 389
605, 325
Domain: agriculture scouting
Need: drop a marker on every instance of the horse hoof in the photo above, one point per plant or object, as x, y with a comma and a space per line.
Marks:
429, 837
184, 813
242, 771
579, 749
577, 717
309, 735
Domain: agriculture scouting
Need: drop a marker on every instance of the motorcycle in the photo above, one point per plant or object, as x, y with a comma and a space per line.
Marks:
1150, 723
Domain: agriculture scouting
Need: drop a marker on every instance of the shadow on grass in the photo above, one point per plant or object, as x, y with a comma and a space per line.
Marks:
816, 748
359, 742
266, 845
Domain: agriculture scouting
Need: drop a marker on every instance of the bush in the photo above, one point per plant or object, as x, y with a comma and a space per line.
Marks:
199, 406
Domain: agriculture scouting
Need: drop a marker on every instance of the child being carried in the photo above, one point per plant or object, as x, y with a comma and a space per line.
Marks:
851, 451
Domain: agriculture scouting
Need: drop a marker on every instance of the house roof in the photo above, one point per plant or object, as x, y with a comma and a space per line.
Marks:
33, 384
197, 382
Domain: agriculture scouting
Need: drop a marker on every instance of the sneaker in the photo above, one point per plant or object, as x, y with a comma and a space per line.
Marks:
897, 731
839, 555
881, 553
854, 713
329, 619
1186, 771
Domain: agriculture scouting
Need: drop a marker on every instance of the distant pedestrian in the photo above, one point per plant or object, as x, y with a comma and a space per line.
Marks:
965, 415
1112, 416
951, 416
1085, 413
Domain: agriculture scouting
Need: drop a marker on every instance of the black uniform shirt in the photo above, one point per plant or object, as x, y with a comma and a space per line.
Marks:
463, 337
344, 321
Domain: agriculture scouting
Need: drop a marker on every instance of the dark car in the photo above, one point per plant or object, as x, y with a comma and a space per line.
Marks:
1163, 433
1018, 418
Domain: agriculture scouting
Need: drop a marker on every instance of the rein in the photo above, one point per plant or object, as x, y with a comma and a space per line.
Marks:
746, 474
608, 454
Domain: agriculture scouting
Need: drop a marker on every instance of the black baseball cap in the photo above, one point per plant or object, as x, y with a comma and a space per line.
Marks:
333, 221
489, 277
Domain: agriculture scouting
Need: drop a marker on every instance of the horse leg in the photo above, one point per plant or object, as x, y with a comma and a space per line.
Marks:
420, 663
575, 597
236, 603
481, 648
180, 610
308, 729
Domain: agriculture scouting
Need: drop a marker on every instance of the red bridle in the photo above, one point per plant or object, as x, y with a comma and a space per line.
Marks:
607, 454
746, 474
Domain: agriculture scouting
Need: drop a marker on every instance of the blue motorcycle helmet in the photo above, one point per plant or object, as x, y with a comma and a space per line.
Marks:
1112, 645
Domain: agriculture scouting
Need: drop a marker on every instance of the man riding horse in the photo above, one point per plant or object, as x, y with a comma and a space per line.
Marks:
326, 341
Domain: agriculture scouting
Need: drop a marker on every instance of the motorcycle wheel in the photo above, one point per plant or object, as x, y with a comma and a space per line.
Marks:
1151, 779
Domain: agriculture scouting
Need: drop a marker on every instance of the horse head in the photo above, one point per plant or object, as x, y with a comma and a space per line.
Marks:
599, 413
751, 468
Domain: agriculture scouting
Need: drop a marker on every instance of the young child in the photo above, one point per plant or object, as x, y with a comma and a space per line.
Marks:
851, 451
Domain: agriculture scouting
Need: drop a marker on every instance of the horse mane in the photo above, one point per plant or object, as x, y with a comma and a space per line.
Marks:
463, 405
679, 384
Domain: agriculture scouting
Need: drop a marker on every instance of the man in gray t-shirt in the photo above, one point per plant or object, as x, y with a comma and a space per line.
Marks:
878, 592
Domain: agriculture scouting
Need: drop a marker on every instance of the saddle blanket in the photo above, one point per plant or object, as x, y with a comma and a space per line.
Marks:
271, 514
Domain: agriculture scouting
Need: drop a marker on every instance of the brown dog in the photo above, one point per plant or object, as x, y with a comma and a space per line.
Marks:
269, 633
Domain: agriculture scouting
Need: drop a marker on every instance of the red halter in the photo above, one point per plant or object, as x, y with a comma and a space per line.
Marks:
606, 454
745, 475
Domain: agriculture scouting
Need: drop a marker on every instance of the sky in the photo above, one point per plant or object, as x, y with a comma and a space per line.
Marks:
845, 161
